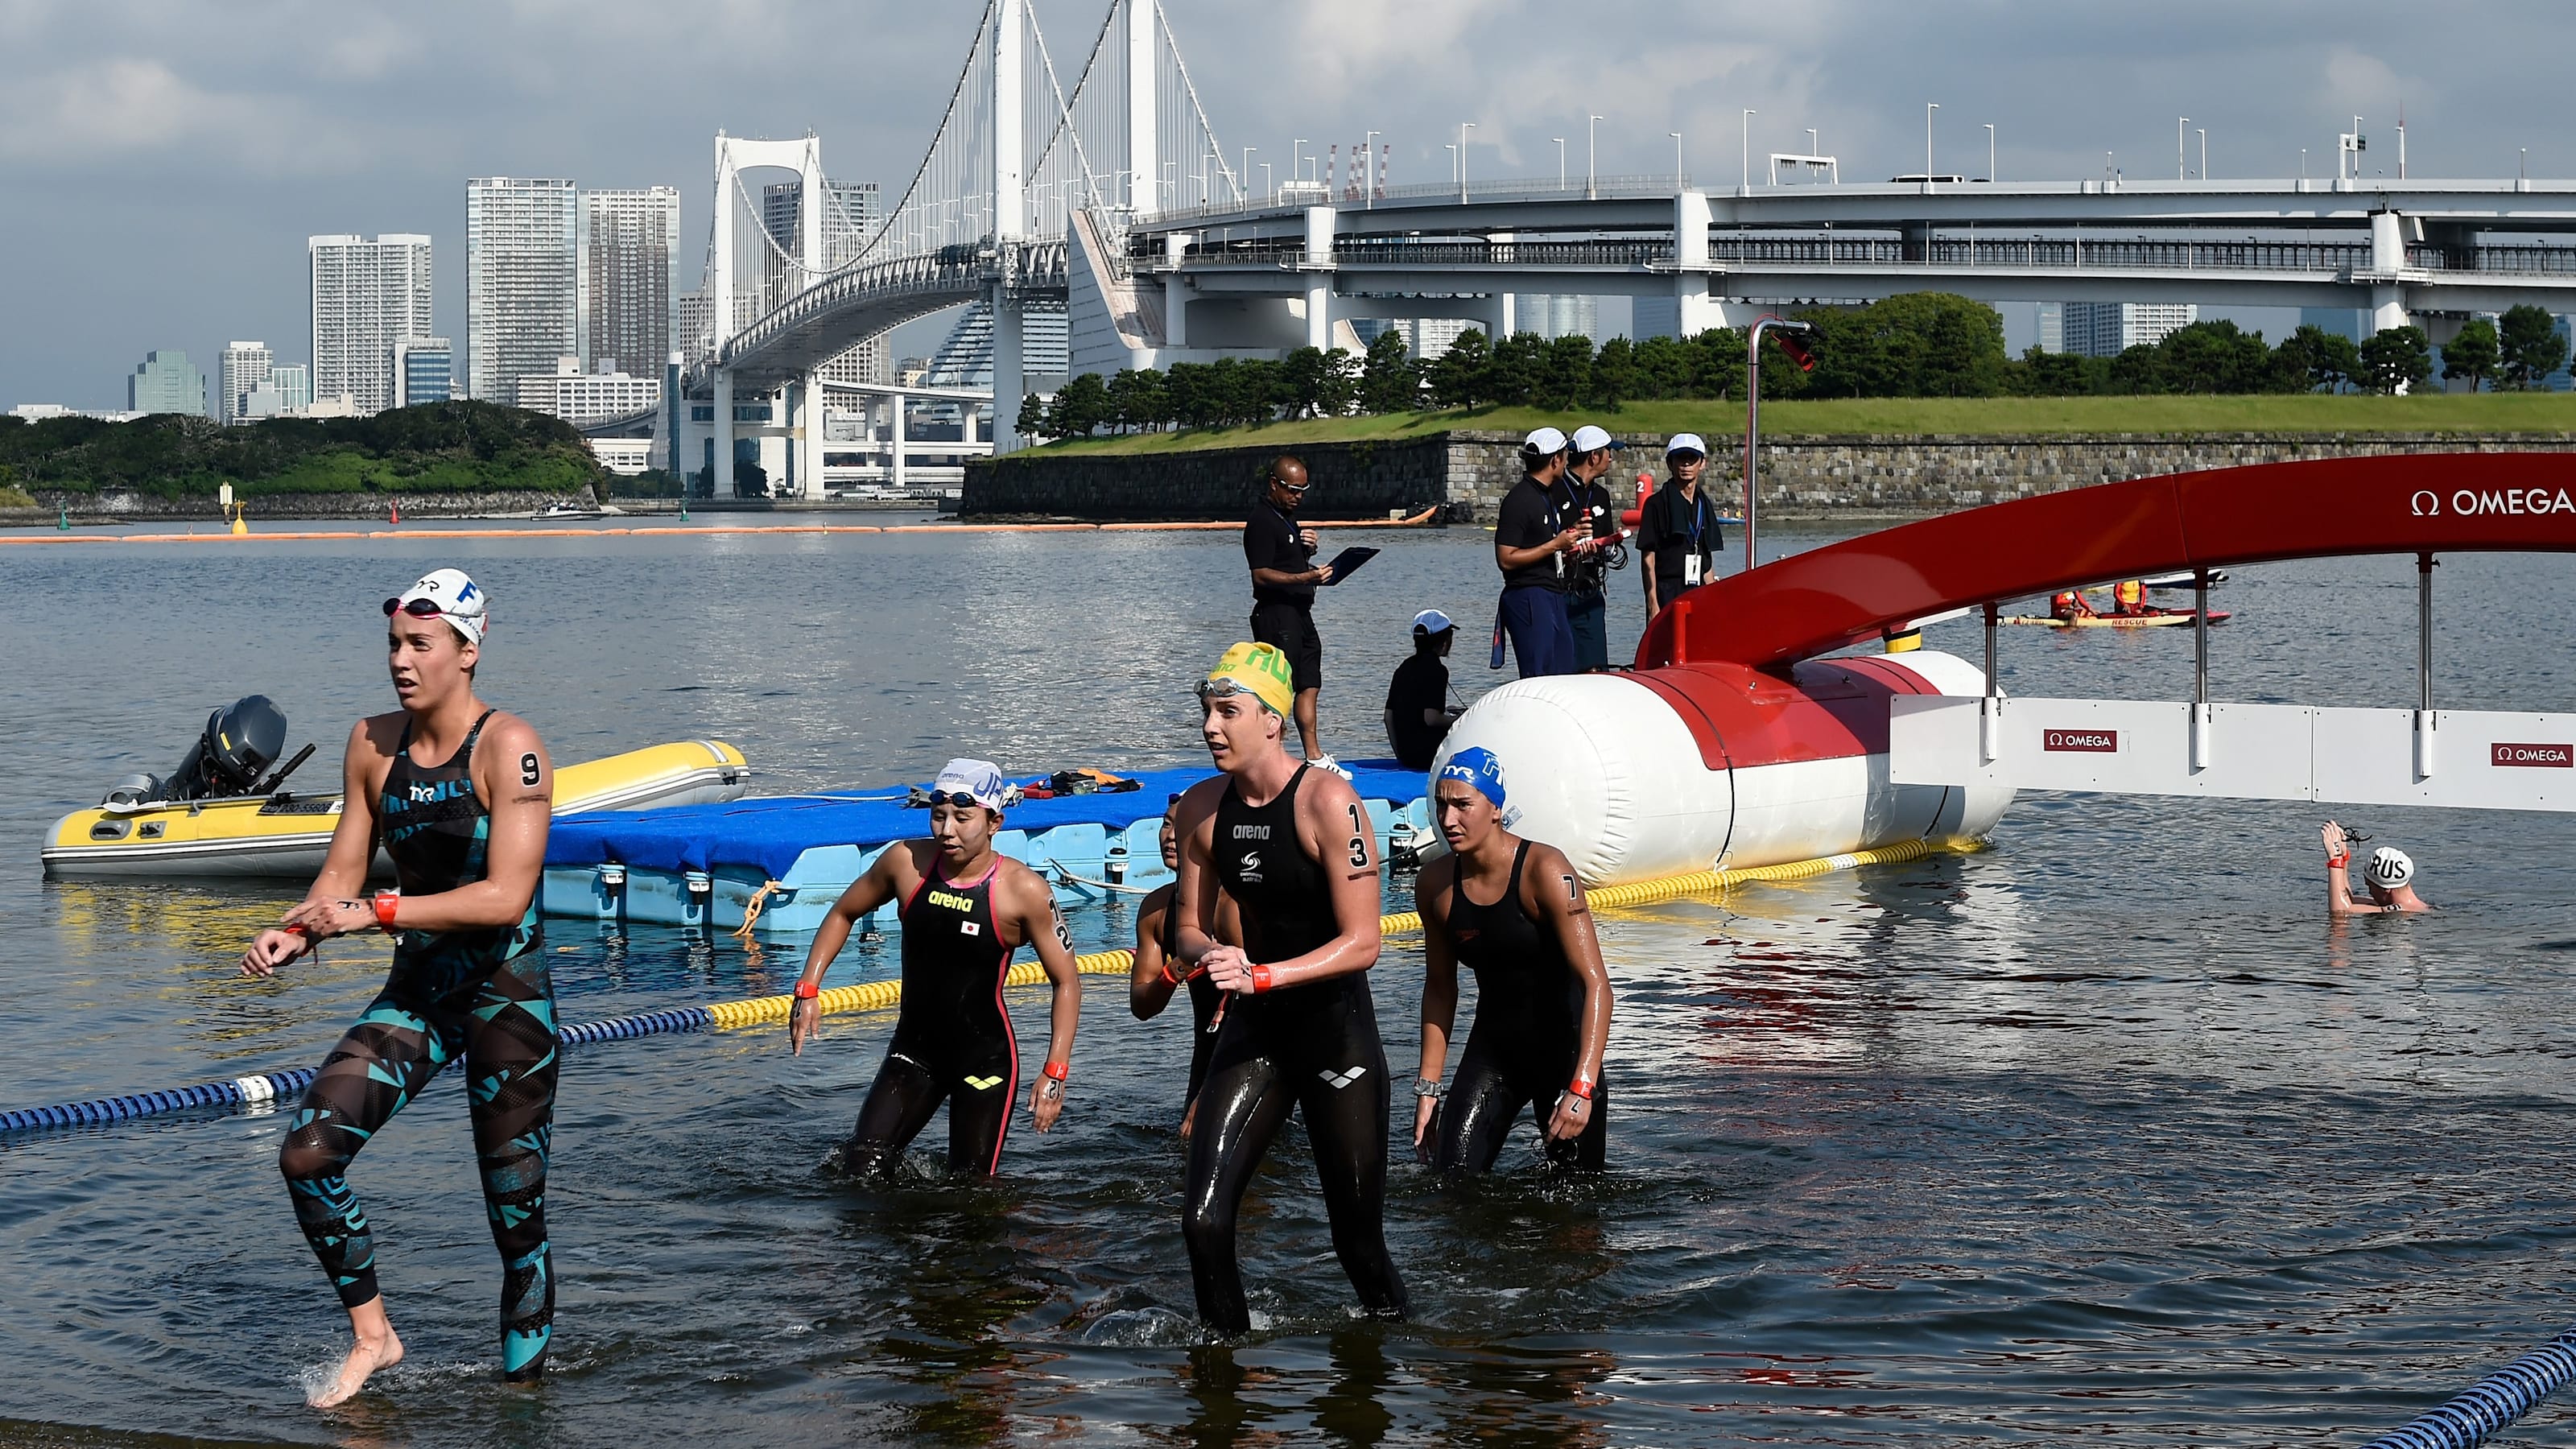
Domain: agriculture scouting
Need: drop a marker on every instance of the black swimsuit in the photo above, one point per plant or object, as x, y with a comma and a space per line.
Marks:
1527, 1037
482, 993
1203, 1001
953, 1040
1314, 1047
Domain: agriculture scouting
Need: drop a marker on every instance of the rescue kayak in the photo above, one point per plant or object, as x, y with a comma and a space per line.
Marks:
285, 835
2116, 621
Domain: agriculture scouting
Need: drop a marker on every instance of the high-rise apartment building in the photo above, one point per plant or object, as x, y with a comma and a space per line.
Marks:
2107, 329
424, 370
1554, 315
522, 285
166, 382
851, 214
244, 366
580, 397
366, 294
627, 238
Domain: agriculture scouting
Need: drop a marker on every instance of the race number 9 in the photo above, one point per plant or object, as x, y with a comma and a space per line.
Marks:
528, 768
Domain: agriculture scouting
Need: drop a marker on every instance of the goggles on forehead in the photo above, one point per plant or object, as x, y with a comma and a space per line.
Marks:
958, 798
1226, 688
417, 608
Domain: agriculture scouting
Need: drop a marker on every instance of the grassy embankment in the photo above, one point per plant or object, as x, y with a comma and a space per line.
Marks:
2461, 414
450, 447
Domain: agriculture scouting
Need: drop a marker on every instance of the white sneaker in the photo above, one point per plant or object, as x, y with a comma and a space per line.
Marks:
1327, 762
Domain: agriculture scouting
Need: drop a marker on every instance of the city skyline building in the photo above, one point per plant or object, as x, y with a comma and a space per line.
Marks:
243, 366
424, 370
2107, 329
522, 286
364, 295
624, 298
166, 382
851, 213
580, 397
1554, 315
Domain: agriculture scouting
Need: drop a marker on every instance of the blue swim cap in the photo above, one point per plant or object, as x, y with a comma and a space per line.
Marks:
1479, 768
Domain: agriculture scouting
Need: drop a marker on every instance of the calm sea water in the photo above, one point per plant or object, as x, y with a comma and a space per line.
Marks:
2102, 1133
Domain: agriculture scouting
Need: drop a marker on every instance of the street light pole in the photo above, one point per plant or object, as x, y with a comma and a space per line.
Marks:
1928, 108
2182, 171
1368, 175
1753, 418
1990, 153
1297, 162
2204, 154
1247, 168
1744, 181
1463, 128
1560, 161
1591, 171
1677, 158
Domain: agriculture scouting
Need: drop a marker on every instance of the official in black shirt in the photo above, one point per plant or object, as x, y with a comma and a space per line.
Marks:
1281, 555
1587, 603
1677, 530
1418, 715
1535, 533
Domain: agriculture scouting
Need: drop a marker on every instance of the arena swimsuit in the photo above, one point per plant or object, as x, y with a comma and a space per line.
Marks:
1527, 1037
1314, 1047
482, 993
953, 1040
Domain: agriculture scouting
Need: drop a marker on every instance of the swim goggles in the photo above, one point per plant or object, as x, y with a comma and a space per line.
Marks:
1226, 688
417, 608
957, 798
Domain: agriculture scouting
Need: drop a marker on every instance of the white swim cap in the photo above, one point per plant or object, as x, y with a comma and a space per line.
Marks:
2389, 868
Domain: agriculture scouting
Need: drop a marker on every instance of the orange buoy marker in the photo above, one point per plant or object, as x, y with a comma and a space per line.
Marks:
393, 512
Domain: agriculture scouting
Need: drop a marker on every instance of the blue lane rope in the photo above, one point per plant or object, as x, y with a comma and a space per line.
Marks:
2492, 1402
266, 1087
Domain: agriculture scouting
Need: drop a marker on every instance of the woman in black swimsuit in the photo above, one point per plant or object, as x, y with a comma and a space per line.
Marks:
468, 841
1158, 971
1542, 995
1292, 848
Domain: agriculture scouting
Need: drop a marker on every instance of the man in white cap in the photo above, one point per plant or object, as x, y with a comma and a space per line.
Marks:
1677, 529
1418, 714
2390, 877
1587, 602
1535, 534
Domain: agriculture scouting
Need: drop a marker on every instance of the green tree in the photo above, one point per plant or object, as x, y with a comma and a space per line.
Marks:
1512, 374
1136, 399
2474, 354
1389, 381
1457, 376
1715, 363
2058, 374
1341, 390
1564, 372
1031, 422
1614, 374
2317, 358
2138, 369
2531, 345
1663, 368
2215, 357
1080, 406
1186, 398
2397, 360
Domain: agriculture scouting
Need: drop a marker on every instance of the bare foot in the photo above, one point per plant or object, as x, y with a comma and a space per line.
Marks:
372, 1353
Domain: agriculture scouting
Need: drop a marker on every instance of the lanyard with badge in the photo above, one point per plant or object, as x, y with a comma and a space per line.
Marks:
1698, 521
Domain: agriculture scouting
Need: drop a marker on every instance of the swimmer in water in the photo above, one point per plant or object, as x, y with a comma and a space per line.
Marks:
1542, 994
468, 840
1158, 971
2389, 878
1292, 847
965, 910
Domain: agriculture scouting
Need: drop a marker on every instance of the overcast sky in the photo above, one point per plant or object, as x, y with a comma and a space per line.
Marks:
161, 162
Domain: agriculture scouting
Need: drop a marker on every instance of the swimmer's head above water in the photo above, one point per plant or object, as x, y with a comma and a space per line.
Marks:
434, 637
966, 807
1244, 703
1467, 798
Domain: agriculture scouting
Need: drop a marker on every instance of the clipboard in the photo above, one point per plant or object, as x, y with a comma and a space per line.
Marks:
1347, 563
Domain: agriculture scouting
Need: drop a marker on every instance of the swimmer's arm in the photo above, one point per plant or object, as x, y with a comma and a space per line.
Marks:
1032, 902
1334, 827
517, 783
343, 877
1439, 968
876, 885
1561, 902
1147, 992
2340, 900
1198, 895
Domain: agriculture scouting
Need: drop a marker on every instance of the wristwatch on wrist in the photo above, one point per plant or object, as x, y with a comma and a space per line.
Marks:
1426, 1087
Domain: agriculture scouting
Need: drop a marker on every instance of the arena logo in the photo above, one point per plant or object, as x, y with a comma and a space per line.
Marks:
2082, 742
2493, 502
2532, 757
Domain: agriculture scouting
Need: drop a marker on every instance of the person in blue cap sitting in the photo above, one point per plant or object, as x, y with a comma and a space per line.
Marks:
1418, 713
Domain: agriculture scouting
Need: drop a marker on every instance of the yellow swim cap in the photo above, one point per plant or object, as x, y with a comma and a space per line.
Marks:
1259, 669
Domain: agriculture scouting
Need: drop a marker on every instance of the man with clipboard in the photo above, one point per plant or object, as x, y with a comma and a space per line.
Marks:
1281, 555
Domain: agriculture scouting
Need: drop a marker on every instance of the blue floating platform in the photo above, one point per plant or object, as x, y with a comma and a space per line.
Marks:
703, 865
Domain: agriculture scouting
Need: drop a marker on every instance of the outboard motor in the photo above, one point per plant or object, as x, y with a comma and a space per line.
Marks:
241, 741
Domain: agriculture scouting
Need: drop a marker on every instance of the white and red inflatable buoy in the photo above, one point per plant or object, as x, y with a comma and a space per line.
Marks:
1689, 767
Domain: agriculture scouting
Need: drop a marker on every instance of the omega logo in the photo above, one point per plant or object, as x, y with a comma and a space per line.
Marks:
2472, 503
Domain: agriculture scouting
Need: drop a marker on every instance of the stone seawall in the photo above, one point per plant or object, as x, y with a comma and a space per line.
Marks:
1801, 476
151, 508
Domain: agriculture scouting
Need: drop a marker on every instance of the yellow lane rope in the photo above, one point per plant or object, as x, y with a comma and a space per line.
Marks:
887, 995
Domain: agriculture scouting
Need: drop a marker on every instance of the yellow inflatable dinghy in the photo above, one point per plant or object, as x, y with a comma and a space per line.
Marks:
287, 835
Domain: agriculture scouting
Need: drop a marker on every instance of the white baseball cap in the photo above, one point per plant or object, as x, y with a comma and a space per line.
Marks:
447, 594
1686, 443
1588, 437
1544, 441
1432, 621
978, 780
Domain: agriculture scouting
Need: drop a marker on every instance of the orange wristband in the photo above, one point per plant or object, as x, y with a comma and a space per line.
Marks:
1260, 979
2338, 862
1168, 978
808, 990
387, 903
1057, 1071
1581, 1087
